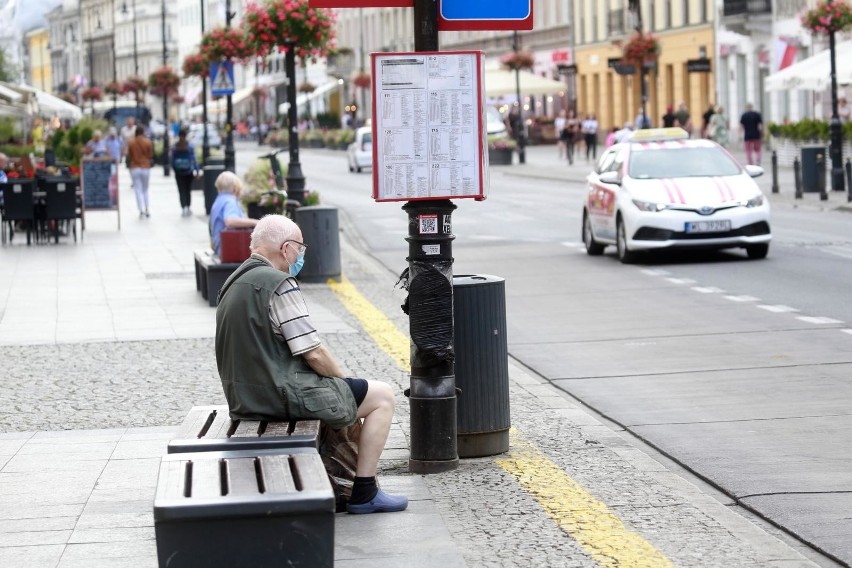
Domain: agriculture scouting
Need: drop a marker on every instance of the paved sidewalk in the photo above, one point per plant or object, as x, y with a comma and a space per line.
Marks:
105, 345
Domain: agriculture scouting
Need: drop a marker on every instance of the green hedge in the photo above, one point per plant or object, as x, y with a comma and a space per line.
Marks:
807, 130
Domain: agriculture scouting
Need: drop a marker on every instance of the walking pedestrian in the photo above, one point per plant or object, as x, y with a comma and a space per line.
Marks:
751, 126
113, 144
669, 118
274, 366
127, 134
571, 131
705, 120
590, 135
140, 156
559, 125
185, 165
683, 118
719, 127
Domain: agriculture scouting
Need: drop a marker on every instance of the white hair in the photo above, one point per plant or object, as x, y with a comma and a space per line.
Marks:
273, 230
228, 182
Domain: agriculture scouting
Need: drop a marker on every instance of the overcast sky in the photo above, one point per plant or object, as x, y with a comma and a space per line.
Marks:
30, 13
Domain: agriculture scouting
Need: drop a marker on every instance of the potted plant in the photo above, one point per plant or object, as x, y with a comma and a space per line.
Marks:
829, 16
279, 24
518, 60
500, 150
135, 85
260, 196
113, 88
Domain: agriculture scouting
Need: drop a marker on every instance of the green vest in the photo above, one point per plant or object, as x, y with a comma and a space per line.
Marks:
262, 380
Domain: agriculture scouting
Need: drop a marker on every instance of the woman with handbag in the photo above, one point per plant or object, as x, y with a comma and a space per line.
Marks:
140, 156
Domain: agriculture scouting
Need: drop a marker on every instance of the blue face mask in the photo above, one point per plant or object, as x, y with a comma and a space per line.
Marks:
297, 266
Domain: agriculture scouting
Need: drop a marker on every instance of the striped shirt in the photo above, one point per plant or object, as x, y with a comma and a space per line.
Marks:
288, 314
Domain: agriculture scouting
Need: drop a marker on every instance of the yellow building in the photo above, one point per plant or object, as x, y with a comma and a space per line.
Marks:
38, 60
684, 29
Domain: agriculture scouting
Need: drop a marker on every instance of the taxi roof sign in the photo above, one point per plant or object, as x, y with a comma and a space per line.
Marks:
659, 134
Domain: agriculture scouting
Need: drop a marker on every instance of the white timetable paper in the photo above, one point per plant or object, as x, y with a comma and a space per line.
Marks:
428, 126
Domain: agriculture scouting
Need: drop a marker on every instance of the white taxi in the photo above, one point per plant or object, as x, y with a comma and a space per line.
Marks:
661, 190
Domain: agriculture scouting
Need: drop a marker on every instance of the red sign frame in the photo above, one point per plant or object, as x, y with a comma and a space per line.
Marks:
485, 25
360, 3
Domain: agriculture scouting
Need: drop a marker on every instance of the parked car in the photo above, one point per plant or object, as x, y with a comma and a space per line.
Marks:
196, 135
494, 123
360, 151
661, 190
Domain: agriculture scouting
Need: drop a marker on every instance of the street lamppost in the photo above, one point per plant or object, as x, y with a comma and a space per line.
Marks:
165, 96
230, 159
636, 7
135, 44
295, 177
522, 155
205, 141
835, 149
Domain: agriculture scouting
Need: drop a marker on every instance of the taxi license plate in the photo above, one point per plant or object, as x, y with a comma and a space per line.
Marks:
708, 226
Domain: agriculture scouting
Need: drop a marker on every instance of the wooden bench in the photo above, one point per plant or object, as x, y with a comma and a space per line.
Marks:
247, 508
210, 274
210, 428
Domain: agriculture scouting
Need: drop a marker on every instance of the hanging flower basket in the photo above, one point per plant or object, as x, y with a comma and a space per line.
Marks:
641, 49
113, 88
516, 60
163, 82
134, 84
178, 99
259, 92
226, 44
194, 65
68, 98
92, 94
307, 87
279, 23
828, 16
362, 80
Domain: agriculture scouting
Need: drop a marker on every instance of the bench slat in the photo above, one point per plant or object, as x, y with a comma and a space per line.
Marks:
277, 476
170, 483
221, 425
206, 480
247, 429
307, 428
276, 429
242, 477
311, 472
194, 422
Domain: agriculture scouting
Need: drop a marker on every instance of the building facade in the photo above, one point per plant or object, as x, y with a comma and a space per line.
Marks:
66, 53
38, 66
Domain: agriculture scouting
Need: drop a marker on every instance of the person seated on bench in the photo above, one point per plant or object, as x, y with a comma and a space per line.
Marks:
274, 367
226, 211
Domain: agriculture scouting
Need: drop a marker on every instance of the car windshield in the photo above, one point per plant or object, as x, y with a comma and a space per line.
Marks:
681, 162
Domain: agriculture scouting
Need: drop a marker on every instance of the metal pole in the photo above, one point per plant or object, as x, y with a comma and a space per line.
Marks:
849, 179
135, 55
519, 123
205, 142
774, 171
835, 128
230, 160
432, 396
165, 98
363, 104
295, 178
797, 177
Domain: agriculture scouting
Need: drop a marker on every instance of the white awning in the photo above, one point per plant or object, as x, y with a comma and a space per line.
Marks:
45, 104
303, 98
219, 106
814, 73
501, 82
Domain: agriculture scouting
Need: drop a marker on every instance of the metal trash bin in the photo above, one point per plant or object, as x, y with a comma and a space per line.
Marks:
210, 191
481, 365
320, 230
810, 168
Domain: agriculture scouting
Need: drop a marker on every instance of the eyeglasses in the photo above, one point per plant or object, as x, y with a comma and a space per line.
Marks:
300, 250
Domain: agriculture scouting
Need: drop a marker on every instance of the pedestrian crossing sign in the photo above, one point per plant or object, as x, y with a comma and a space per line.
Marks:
221, 78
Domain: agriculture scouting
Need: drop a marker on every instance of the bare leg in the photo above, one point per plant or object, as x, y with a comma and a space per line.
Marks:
377, 412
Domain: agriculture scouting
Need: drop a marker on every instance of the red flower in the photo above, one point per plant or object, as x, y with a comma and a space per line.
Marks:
194, 65
641, 49
362, 80
273, 24
828, 16
518, 60
163, 82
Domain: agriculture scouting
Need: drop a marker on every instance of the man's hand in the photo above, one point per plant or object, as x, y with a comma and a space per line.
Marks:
322, 361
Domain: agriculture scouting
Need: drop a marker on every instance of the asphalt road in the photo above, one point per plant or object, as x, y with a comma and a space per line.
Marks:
737, 369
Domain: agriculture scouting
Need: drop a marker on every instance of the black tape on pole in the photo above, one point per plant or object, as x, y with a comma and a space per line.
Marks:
430, 305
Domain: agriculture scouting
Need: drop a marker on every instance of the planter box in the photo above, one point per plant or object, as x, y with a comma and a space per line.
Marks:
788, 149
500, 156
255, 211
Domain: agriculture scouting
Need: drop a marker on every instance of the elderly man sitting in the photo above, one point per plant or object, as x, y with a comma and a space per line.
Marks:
274, 367
226, 211
4, 160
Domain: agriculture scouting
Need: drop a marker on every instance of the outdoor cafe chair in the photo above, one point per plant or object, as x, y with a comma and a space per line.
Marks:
61, 204
18, 207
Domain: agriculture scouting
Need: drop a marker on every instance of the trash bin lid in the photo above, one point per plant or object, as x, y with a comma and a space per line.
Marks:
475, 279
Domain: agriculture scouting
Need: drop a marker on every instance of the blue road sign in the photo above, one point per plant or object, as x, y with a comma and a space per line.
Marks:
221, 78
485, 14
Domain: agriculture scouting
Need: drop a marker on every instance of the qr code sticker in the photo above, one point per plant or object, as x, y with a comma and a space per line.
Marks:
428, 224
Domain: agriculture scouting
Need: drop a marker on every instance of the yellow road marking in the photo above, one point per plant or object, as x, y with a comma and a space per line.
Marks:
577, 512
599, 531
375, 323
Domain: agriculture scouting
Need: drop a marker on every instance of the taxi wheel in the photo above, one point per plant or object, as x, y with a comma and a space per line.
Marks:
756, 252
593, 248
624, 255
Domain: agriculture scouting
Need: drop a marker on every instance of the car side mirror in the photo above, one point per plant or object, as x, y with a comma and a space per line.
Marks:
610, 178
754, 171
